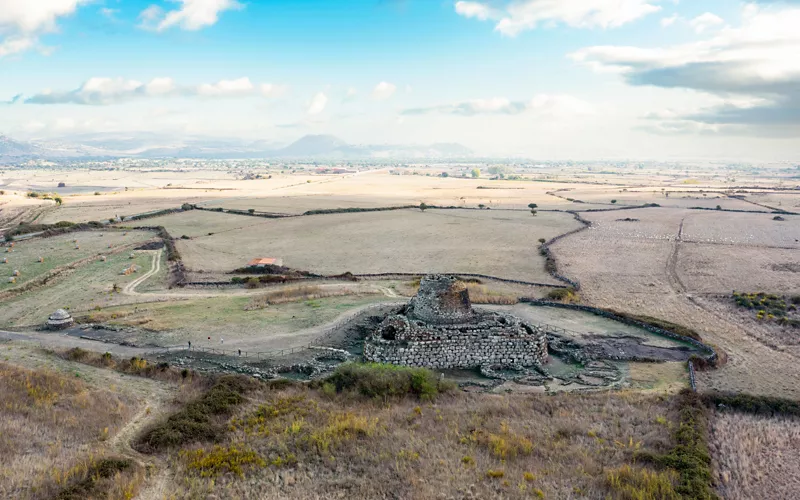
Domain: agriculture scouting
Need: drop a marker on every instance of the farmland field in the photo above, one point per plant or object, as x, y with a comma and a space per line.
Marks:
83, 289
408, 241
60, 250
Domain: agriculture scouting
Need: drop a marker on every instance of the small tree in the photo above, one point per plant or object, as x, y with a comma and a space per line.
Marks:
58, 200
533, 212
481, 206
476, 172
532, 205
613, 201
251, 210
719, 207
423, 206
445, 174
542, 240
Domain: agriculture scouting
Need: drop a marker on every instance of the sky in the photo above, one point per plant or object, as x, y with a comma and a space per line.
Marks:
549, 79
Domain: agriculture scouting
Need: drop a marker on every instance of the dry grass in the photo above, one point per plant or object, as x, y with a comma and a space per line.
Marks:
410, 241
47, 421
299, 294
756, 456
300, 443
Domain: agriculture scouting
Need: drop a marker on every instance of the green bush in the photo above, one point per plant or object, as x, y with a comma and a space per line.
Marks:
376, 380
195, 421
759, 405
689, 456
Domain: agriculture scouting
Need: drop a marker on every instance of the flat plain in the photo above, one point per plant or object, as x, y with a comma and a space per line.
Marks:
400, 241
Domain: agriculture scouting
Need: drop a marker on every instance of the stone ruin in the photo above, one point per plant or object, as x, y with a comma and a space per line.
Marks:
59, 320
439, 328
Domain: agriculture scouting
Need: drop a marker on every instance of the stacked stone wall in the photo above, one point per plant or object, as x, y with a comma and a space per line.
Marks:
464, 351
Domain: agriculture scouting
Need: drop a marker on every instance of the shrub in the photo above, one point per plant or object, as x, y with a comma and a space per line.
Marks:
94, 476
689, 457
638, 484
221, 460
378, 380
562, 294
759, 405
194, 422
613, 201
532, 206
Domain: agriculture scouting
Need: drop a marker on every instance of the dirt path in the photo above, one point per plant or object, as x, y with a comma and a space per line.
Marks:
157, 469
155, 267
672, 263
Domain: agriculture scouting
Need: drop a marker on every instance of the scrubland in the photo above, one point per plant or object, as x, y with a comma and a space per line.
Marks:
54, 432
755, 456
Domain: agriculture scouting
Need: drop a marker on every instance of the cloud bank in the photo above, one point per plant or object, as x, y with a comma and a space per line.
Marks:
518, 16
753, 72
108, 91
543, 104
22, 22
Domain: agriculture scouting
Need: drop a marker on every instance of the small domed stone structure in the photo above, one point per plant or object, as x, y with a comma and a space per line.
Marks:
59, 320
440, 329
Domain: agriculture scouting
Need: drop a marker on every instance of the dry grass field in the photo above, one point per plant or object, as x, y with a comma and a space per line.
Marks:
55, 423
298, 443
278, 326
60, 251
80, 290
755, 456
497, 243
641, 268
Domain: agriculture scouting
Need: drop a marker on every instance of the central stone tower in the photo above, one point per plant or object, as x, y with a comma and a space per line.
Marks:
439, 328
441, 300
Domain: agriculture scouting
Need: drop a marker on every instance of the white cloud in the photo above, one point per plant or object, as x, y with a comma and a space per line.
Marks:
669, 21
107, 91
241, 86
22, 22
191, 16
476, 10
556, 106
523, 15
705, 21
317, 104
383, 90
754, 68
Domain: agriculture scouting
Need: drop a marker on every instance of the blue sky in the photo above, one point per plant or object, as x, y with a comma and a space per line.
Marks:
546, 78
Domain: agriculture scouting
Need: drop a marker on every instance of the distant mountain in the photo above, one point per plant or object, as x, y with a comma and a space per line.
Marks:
314, 145
153, 145
9, 147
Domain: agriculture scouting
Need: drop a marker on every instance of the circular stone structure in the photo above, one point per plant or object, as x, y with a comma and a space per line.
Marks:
59, 320
440, 329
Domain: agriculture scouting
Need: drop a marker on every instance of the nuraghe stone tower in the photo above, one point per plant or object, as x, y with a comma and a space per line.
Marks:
440, 329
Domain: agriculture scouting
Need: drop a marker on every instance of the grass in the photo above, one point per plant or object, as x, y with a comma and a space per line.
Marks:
326, 443
382, 381
298, 294
633, 483
48, 421
199, 420
117, 478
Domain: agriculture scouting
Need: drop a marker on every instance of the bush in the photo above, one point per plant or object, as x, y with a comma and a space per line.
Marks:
563, 294
759, 405
689, 456
376, 380
195, 421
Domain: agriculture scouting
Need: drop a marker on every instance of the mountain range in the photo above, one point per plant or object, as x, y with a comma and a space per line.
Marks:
151, 145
